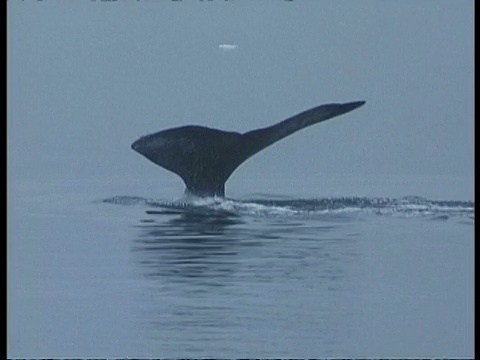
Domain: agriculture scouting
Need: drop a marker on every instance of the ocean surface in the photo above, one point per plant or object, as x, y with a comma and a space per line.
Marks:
101, 270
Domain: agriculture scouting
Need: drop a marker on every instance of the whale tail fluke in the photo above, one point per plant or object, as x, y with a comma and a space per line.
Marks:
205, 158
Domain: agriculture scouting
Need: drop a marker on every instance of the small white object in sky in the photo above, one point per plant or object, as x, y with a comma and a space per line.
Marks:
228, 47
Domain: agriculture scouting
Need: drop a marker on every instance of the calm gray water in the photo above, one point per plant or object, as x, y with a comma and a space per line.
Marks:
93, 273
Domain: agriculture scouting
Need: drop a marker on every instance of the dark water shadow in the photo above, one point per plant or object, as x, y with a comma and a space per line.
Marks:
207, 246
200, 263
187, 244
181, 241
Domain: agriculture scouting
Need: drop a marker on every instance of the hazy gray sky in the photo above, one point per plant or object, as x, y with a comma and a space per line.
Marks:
86, 78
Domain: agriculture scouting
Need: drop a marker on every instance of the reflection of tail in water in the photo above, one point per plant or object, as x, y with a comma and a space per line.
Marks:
187, 243
207, 207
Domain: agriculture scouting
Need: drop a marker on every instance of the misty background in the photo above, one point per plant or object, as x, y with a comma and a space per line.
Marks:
87, 78
104, 262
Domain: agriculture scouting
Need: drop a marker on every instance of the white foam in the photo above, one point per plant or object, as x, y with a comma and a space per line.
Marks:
254, 209
306, 207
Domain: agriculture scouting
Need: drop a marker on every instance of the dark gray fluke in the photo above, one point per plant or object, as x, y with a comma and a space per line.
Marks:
205, 158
